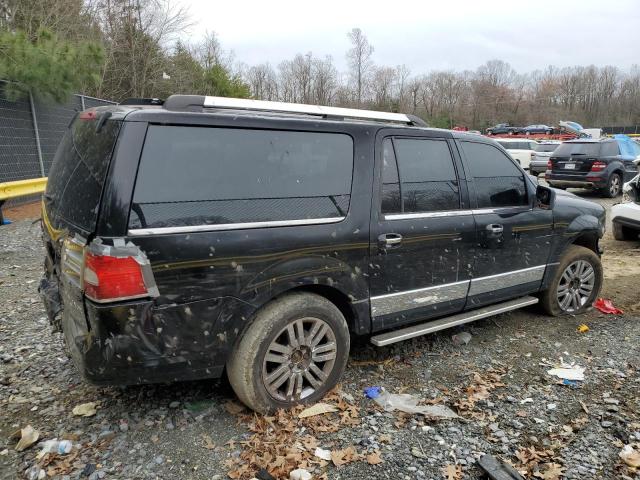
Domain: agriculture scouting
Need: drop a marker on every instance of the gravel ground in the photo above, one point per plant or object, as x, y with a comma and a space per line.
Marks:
509, 406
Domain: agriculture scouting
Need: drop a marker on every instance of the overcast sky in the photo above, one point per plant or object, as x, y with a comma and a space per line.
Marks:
428, 35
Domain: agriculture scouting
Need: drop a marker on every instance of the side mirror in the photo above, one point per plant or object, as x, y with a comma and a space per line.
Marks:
545, 197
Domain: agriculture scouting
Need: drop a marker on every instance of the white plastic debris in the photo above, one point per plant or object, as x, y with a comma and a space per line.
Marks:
568, 372
317, 409
322, 453
299, 474
409, 404
61, 447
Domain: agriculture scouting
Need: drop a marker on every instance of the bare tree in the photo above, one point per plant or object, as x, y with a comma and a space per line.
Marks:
360, 63
262, 81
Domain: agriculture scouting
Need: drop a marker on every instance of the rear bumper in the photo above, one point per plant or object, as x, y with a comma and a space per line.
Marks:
592, 180
139, 342
626, 214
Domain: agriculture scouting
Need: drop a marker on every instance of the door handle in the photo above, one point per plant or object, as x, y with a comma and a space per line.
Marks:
387, 240
495, 228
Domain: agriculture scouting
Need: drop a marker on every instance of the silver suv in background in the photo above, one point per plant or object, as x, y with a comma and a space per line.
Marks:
541, 156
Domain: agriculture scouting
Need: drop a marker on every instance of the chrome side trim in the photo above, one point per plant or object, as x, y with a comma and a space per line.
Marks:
447, 322
486, 211
507, 279
138, 232
420, 297
444, 213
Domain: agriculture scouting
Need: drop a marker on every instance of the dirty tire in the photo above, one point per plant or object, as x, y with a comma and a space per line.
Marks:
269, 336
620, 232
549, 300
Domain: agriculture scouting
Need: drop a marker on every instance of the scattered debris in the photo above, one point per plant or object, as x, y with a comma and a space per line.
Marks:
372, 392
317, 409
409, 404
85, 409
583, 328
61, 447
606, 306
568, 372
462, 338
630, 456
452, 472
27, 435
300, 474
234, 408
498, 470
323, 454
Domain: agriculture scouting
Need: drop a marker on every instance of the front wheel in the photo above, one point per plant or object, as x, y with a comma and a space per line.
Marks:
294, 351
576, 283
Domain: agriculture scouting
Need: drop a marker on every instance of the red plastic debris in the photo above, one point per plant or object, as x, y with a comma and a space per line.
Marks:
606, 306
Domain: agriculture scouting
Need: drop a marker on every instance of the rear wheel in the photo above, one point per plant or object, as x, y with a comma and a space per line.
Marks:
294, 352
620, 232
576, 284
614, 186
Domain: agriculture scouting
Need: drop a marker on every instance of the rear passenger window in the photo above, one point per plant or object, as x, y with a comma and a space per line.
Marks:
204, 175
609, 149
498, 182
428, 180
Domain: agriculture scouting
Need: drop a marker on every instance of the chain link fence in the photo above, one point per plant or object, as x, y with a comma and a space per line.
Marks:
30, 130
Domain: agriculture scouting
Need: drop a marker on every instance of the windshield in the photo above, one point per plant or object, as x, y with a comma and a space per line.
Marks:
78, 172
568, 149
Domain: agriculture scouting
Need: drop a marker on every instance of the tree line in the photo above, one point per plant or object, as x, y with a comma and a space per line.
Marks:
132, 48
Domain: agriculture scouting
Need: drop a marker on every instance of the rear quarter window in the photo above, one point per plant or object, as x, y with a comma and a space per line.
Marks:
79, 170
210, 176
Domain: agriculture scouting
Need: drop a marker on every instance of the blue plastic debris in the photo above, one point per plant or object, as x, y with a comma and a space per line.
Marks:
6, 221
372, 392
571, 383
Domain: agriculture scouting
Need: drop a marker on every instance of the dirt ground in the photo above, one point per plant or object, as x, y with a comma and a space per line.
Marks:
508, 405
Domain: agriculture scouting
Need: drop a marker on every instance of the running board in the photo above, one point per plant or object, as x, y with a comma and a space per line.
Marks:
447, 322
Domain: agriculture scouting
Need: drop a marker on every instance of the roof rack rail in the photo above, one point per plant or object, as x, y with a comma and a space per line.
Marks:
193, 102
142, 101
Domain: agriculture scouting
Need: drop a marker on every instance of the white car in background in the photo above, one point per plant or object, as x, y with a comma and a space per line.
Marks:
522, 150
625, 216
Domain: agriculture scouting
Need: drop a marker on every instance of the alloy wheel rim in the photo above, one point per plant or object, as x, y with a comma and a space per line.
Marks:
615, 185
576, 285
299, 360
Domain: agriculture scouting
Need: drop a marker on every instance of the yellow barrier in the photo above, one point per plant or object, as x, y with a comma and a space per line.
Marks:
20, 188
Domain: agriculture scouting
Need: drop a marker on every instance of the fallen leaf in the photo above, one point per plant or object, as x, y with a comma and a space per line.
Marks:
553, 472
630, 456
85, 409
233, 408
28, 436
374, 458
341, 457
452, 472
317, 409
208, 442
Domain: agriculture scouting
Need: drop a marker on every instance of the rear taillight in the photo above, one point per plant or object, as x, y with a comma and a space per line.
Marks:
107, 278
598, 166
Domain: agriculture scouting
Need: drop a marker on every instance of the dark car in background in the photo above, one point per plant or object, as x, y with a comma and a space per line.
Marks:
216, 235
529, 129
503, 128
595, 164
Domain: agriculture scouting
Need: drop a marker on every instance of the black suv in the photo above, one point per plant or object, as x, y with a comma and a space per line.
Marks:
211, 234
594, 164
